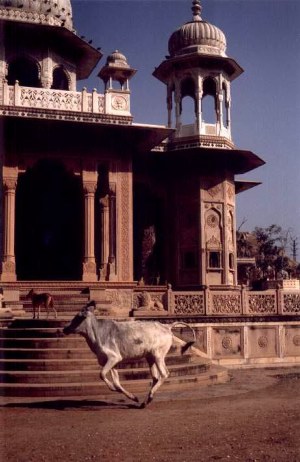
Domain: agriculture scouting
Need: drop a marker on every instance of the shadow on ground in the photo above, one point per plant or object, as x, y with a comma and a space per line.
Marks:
64, 404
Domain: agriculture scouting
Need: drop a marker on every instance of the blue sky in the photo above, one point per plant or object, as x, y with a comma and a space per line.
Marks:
263, 36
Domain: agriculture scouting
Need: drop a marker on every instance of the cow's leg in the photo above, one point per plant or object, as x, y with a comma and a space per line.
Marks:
111, 362
117, 384
159, 372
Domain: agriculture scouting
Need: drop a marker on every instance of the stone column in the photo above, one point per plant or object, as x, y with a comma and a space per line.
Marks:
9, 261
89, 263
112, 232
178, 102
198, 103
121, 221
104, 204
169, 105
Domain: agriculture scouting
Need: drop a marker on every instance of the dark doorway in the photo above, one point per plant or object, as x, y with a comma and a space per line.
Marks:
49, 223
149, 249
25, 71
60, 80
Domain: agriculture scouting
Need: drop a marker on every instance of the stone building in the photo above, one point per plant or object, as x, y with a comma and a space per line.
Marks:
90, 196
140, 218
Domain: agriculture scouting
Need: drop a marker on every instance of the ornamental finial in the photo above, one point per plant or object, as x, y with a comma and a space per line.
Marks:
196, 9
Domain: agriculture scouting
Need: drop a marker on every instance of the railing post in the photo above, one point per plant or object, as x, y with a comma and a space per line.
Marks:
170, 306
84, 100
17, 93
244, 299
208, 309
5, 93
95, 101
279, 301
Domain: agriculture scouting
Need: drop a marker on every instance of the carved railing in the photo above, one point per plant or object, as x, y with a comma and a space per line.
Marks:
231, 303
112, 103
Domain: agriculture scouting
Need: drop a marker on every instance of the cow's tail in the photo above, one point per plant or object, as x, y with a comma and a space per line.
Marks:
188, 345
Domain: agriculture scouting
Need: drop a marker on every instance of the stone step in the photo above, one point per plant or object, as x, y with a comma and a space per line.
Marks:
98, 388
43, 332
58, 351
52, 364
42, 353
136, 373
51, 342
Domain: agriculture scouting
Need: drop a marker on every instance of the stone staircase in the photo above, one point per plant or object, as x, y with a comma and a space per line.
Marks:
67, 302
37, 361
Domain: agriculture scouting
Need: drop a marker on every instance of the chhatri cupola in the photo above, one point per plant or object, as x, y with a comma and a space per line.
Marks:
39, 47
197, 69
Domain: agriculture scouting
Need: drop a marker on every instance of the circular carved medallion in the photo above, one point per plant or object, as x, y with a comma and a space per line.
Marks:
296, 340
119, 103
227, 343
212, 220
263, 341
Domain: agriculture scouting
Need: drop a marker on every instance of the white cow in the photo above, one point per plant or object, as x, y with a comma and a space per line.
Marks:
113, 341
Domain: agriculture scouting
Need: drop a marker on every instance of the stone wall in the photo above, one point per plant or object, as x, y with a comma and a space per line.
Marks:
236, 327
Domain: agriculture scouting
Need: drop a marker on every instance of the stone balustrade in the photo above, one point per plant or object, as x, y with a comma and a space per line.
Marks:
235, 328
235, 302
111, 103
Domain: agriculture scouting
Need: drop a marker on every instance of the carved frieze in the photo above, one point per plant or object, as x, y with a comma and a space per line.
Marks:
262, 303
291, 303
184, 303
50, 99
226, 303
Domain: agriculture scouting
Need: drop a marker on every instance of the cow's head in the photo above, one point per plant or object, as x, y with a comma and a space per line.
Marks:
79, 324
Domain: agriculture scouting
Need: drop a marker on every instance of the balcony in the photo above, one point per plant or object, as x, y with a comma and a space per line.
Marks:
44, 100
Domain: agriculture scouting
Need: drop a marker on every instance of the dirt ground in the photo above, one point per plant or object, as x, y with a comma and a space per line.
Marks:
255, 417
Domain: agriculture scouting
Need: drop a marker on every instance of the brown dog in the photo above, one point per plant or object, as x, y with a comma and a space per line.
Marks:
39, 300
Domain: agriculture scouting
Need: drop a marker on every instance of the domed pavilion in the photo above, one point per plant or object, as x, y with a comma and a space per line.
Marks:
89, 196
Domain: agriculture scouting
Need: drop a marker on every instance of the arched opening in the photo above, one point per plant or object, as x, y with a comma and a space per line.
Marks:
225, 106
209, 113
24, 70
188, 116
60, 79
49, 223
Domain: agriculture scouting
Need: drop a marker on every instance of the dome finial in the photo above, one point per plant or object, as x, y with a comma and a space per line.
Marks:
196, 9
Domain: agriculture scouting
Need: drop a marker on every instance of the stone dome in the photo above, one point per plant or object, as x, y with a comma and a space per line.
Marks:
52, 12
117, 59
197, 36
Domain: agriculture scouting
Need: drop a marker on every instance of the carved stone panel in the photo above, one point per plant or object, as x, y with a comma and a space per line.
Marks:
227, 342
290, 302
188, 303
292, 341
261, 303
225, 304
262, 342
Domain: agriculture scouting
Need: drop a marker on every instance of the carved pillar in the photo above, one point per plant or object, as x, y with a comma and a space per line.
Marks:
104, 204
112, 232
121, 221
9, 261
46, 73
198, 104
89, 263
